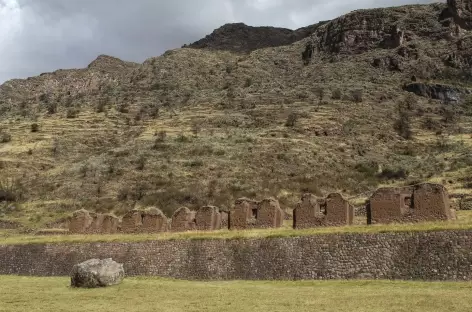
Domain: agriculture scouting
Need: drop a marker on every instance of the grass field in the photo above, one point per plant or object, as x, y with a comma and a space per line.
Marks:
152, 294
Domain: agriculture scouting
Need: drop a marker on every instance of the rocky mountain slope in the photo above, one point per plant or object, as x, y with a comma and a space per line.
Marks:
239, 37
371, 98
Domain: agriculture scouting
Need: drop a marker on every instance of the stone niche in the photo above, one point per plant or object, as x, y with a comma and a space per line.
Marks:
208, 218
250, 214
317, 212
423, 202
154, 221
183, 220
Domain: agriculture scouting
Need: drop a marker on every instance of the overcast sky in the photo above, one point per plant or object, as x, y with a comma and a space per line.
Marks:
44, 35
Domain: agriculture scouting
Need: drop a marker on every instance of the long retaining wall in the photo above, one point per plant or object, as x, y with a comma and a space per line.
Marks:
442, 255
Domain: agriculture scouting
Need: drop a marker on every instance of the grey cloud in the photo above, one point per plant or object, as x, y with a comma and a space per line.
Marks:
39, 36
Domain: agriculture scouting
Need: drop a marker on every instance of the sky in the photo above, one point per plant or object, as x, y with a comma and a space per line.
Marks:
39, 36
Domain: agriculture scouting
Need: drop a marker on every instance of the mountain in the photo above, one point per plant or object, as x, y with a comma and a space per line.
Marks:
239, 37
375, 97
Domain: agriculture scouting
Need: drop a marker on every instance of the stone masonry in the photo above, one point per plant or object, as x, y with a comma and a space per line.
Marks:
80, 222
435, 255
208, 218
250, 214
132, 221
154, 221
314, 212
83, 222
423, 202
183, 220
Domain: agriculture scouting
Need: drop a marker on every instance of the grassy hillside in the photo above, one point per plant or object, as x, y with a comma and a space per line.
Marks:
197, 126
149, 294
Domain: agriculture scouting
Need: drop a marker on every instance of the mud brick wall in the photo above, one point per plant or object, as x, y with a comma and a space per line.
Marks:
443, 255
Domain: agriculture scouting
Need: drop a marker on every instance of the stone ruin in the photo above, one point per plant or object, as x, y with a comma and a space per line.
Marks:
250, 214
183, 220
80, 222
423, 202
208, 218
154, 221
317, 212
151, 220
132, 221
418, 203
83, 222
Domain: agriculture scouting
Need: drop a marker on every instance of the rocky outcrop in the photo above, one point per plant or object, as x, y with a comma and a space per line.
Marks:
106, 63
437, 91
239, 37
461, 11
365, 30
97, 273
461, 56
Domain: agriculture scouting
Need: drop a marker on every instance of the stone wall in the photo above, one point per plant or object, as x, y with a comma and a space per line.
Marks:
418, 203
251, 214
314, 212
441, 255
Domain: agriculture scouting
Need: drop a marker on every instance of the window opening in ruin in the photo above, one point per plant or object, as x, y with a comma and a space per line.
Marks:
408, 202
323, 209
254, 213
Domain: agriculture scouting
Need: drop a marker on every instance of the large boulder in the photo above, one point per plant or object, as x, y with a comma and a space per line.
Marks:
97, 273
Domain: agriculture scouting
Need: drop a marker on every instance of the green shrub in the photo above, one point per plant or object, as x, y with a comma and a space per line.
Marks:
292, 119
357, 96
34, 127
5, 137
72, 113
336, 94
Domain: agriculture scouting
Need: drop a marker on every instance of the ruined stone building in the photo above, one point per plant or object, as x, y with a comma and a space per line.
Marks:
316, 212
83, 222
250, 214
80, 222
208, 218
183, 220
154, 221
132, 221
423, 202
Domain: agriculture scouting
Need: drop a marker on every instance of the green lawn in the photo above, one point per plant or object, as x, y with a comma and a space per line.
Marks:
152, 294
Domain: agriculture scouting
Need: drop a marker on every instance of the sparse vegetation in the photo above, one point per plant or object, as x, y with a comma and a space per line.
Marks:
247, 121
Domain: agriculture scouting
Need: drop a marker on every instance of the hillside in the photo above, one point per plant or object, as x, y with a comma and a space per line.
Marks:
238, 37
208, 123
